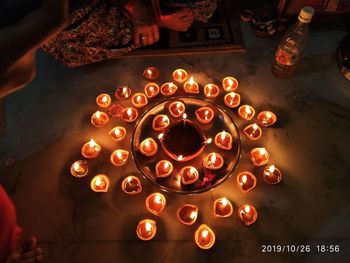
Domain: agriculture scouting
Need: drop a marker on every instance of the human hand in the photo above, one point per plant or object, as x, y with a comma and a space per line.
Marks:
26, 252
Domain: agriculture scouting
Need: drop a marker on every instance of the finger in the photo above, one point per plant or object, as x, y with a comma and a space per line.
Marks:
137, 35
150, 37
156, 33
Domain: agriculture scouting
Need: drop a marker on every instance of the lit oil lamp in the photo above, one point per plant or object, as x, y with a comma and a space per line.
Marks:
151, 90
229, 84
79, 168
204, 115
117, 133
223, 140
129, 114
204, 237
91, 149
222, 207
187, 214
259, 156
146, 229
131, 185
272, 175
189, 175
232, 99
177, 109
148, 147
155, 203
191, 86
252, 132
99, 119
214, 161
248, 214
164, 168
246, 181
179, 75
100, 183
151, 73
119, 157
139, 100
266, 118
122, 92
211, 90
160, 122
246, 112
103, 100
168, 89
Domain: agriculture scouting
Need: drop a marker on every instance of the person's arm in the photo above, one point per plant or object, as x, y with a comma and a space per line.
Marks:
31, 31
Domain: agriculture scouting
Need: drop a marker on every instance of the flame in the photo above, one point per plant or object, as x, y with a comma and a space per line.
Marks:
255, 126
76, 166
92, 143
213, 158
248, 110
223, 135
125, 90
179, 73
129, 112
224, 201
191, 81
166, 165
206, 113
104, 99
149, 72
158, 199
119, 154
244, 179
205, 233
148, 226
129, 179
160, 136
138, 98
98, 114
184, 116
193, 214
171, 84
268, 115
151, 88
147, 143
180, 157
117, 131
178, 105
165, 119
209, 140
193, 170
210, 87
271, 168
98, 181
230, 82
247, 209
262, 151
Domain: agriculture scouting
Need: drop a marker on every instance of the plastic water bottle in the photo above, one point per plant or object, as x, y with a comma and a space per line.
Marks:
292, 45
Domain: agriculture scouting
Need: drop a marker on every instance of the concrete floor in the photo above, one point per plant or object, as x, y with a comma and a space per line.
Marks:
48, 121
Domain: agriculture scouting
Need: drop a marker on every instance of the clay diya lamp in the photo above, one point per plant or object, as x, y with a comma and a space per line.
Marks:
211, 90
246, 181
103, 100
129, 114
122, 92
248, 214
155, 203
229, 84
204, 237
183, 140
213, 161
160, 122
180, 75
246, 112
189, 175
139, 100
150, 73
91, 149
99, 119
168, 89
164, 168
79, 168
148, 147
151, 90
272, 175
222, 207
146, 229
223, 140
131, 185
232, 99
252, 132
100, 183
191, 86
266, 118
177, 109
187, 214
117, 133
259, 156
204, 115
119, 157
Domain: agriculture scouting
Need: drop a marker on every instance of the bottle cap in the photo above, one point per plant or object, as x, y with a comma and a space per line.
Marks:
306, 14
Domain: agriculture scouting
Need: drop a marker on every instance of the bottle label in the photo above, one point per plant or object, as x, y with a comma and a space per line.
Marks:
284, 57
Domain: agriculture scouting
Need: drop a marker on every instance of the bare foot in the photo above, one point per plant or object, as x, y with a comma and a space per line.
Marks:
178, 21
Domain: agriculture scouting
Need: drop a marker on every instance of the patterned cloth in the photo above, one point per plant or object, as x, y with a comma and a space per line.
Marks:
99, 30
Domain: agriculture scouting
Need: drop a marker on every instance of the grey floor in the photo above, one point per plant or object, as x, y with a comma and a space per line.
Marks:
48, 121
